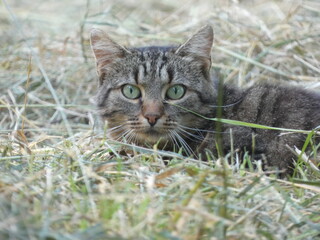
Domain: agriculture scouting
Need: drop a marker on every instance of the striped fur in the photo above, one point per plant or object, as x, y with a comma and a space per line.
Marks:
153, 70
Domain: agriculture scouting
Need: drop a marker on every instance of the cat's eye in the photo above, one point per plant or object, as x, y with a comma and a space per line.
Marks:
175, 92
131, 91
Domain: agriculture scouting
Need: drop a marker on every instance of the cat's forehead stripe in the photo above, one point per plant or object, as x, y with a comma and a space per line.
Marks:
140, 74
153, 63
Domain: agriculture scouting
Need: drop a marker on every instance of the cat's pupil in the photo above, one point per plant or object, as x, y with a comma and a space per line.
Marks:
131, 91
176, 92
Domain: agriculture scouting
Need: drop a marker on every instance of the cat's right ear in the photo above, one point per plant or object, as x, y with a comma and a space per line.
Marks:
105, 50
199, 46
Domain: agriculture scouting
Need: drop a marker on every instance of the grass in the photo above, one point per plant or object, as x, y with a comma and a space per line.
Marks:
62, 179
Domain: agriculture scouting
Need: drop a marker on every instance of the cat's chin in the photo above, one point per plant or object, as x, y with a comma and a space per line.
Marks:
152, 137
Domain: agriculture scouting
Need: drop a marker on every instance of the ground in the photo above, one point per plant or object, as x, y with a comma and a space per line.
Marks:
62, 179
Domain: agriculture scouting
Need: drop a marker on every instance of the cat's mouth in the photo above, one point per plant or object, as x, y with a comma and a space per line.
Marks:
152, 131
139, 131
151, 135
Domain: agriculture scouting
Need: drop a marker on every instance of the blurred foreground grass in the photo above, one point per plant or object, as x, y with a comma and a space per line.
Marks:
61, 179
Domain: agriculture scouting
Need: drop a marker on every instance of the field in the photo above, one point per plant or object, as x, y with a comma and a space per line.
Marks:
61, 179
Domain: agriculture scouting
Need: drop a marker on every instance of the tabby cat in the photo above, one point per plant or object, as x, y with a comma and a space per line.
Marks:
160, 95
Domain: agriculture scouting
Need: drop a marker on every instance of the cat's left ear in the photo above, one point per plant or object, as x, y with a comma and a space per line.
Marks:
199, 45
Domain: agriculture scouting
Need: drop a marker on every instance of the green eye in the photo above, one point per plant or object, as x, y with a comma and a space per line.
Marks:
131, 91
176, 92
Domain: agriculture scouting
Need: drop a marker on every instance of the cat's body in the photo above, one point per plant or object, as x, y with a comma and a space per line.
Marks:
270, 105
147, 95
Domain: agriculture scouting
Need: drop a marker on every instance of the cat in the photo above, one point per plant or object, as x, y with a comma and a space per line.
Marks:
165, 95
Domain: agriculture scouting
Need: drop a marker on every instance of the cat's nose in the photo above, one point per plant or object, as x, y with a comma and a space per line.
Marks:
152, 119
152, 110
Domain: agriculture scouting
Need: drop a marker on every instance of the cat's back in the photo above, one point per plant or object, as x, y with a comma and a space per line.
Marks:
280, 106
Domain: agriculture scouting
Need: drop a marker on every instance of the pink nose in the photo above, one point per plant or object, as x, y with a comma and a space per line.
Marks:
152, 118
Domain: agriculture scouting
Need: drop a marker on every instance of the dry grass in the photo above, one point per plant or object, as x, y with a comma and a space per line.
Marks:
61, 179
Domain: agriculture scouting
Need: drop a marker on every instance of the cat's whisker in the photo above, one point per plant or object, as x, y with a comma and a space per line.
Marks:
188, 149
173, 139
117, 128
118, 135
123, 135
134, 138
183, 143
201, 131
227, 105
198, 129
109, 131
131, 137
191, 136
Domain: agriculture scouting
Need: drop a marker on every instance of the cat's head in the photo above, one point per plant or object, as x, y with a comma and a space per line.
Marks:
140, 88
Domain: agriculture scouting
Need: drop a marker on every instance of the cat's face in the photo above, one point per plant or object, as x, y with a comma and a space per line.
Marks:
140, 89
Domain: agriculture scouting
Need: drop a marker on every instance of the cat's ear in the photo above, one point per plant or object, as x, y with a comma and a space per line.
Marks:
105, 49
199, 45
